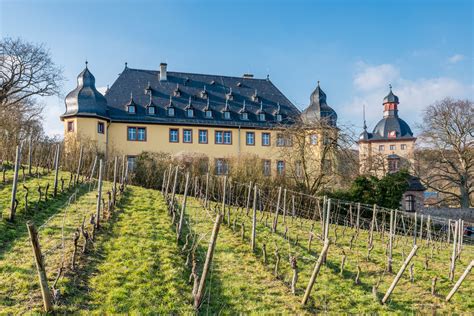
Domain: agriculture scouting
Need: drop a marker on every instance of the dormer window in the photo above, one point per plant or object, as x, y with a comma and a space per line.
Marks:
244, 116
208, 114
261, 117
190, 113
278, 117
170, 111
227, 115
132, 109
151, 110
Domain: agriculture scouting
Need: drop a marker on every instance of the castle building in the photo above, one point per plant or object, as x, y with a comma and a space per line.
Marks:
175, 112
389, 148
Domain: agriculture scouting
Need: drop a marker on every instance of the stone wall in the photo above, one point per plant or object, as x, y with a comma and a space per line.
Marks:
466, 214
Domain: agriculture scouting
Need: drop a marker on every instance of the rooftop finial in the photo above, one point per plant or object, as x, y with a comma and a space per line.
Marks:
318, 83
86, 63
126, 65
363, 111
390, 86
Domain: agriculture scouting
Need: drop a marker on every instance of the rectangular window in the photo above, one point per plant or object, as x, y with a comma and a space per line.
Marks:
132, 133
280, 167
208, 114
393, 165
203, 136
283, 141
190, 112
299, 169
170, 111
219, 139
136, 133
131, 163
250, 138
265, 139
223, 137
142, 134
100, 127
392, 147
131, 109
314, 139
151, 110
227, 115
70, 126
403, 147
222, 166
227, 137
245, 116
267, 167
261, 117
381, 147
187, 135
174, 135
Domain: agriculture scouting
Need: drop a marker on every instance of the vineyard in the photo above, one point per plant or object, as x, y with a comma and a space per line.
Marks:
85, 240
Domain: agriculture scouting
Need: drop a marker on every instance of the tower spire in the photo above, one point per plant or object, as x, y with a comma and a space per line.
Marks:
363, 111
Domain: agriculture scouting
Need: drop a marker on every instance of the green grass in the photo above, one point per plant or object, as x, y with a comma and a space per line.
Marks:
19, 288
136, 266
335, 293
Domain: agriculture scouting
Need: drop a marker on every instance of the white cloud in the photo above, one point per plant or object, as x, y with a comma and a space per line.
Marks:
414, 94
456, 58
372, 77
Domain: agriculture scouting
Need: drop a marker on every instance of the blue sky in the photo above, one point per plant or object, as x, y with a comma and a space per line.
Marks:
355, 48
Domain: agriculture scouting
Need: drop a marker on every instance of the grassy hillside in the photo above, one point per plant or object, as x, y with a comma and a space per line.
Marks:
136, 265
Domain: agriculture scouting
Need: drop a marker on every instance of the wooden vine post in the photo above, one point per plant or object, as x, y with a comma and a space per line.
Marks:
174, 186
79, 165
43, 280
458, 283
56, 170
30, 155
390, 243
247, 205
13, 202
224, 186
315, 273
275, 220
99, 195
183, 206
454, 253
399, 274
207, 190
207, 263
114, 187
254, 217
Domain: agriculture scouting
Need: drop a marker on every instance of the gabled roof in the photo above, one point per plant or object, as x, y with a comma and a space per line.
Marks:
191, 85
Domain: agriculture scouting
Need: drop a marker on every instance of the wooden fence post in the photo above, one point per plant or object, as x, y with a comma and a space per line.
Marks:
99, 196
79, 165
56, 170
247, 206
43, 280
114, 191
94, 164
254, 217
30, 155
13, 203
223, 195
372, 225
358, 217
399, 274
454, 253
458, 283
415, 230
207, 263
183, 206
275, 219
315, 273
284, 206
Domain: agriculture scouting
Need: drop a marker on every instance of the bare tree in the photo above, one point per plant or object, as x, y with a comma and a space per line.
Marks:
447, 164
26, 72
317, 155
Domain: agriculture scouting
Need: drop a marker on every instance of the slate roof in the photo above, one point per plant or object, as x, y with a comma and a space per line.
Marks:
137, 84
390, 123
318, 108
414, 184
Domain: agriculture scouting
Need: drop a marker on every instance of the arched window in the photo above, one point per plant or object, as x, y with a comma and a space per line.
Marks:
410, 203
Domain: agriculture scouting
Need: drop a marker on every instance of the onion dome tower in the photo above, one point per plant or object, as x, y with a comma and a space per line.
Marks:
319, 109
391, 126
85, 100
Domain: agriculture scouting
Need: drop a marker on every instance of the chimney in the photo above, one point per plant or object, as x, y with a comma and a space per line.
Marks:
163, 75
248, 76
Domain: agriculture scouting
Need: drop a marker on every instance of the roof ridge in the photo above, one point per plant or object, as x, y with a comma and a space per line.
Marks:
199, 74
